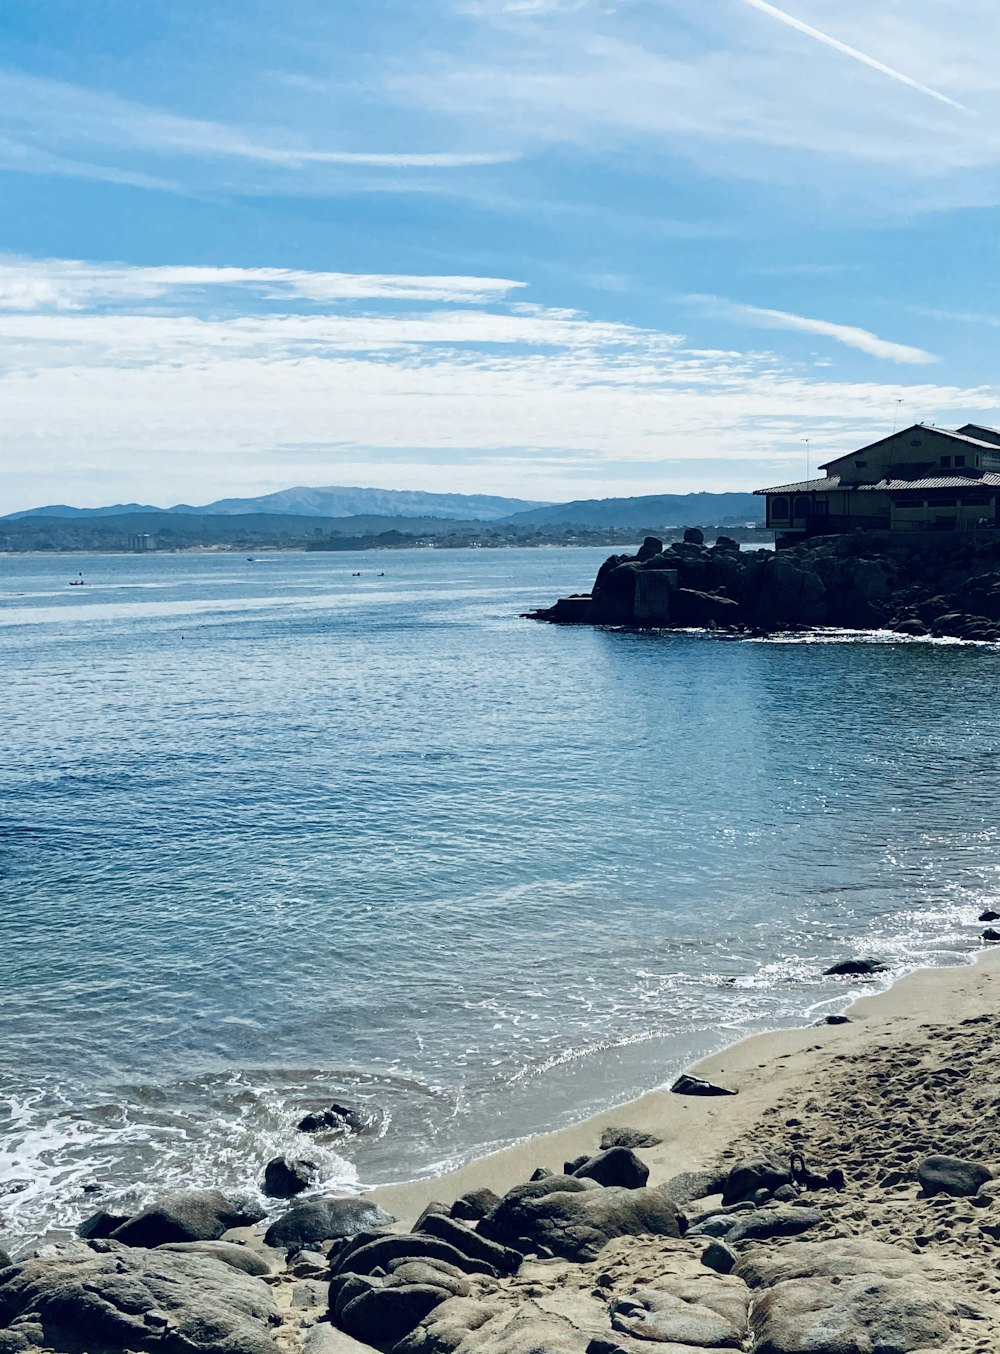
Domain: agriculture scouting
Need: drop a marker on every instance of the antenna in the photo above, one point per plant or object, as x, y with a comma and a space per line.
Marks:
895, 415
806, 440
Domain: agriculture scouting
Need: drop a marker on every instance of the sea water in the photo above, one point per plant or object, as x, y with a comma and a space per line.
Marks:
273, 835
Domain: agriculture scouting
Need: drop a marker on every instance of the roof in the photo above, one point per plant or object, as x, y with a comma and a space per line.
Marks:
946, 433
989, 479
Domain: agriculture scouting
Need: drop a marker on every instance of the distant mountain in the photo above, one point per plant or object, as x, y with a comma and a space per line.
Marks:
332, 501
651, 510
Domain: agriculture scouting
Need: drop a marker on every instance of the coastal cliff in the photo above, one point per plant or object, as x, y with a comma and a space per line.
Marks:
939, 587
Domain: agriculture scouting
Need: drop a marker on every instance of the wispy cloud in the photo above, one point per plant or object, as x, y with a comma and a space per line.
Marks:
74, 284
850, 335
783, 17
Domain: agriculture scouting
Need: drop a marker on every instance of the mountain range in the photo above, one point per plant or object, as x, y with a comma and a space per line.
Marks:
650, 510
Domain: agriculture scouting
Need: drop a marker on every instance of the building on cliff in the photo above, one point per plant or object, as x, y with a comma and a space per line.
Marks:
918, 480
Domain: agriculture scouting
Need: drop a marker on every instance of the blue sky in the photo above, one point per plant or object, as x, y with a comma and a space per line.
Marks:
554, 248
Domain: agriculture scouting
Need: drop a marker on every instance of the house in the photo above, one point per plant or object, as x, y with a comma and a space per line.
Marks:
918, 480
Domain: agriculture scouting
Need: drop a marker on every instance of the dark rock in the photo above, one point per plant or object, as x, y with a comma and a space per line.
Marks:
378, 1252
856, 968
385, 1312
991, 934
627, 1137
694, 536
500, 1223
767, 1224
692, 608
718, 1256
785, 1193
952, 1175
339, 1119
540, 1173
101, 1224
571, 1167
989, 915
284, 1177
650, 547
687, 1085
188, 1215
474, 1205
244, 1258
835, 1020
752, 1174
316, 1220
5, 1260
140, 1301
432, 1207
472, 1244
576, 1226
616, 1166
911, 626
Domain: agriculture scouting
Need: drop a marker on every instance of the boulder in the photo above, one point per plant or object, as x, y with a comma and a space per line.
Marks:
577, 1226
752, 1174
616, 1166
694, 536
650, 547
991, 934
284, 1177
314, 1220
989, 915
952, 1175
389, 1309
913, 626
690, 1185
839, 1258
378, 1253
767, 1224
476, 1247
474, 1205
855, 1315
101, 1224
720, 1257
688, 1085
335, 1118
188, 1215
501, 1223
689, 1317
855, 968
134, 1302
629, 1137
244, 1258
470, 1326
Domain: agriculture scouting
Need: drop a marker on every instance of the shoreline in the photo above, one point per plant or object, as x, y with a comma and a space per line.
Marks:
764, 1068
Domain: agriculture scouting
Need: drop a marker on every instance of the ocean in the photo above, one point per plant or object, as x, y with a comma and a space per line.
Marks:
273, 835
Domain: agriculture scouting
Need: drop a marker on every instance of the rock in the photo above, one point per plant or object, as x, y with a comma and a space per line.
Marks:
470, 1326
577, 1226
692, 608
911, 626
616, 1166
660, 1314
433, 1207
856, 968
540, 1173
835, 1020
285, 1177
768, 1224
316, 1220
309, 1265
474, 1205
720, 1257
188, 1215
571, 1167
136, 1301
752, 1174
340, 1119
785, 1193
952, 1175
849, 1316
627, 1137
989, 915
379, 1252
101, 1224
694, 536
383, 1314
500, 1223
688, 1085
476, 1247
839, 1258
991, 934
650, 547
690, 1185
244, 1258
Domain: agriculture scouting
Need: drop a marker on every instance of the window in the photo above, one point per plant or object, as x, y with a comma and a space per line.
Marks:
959, 461
802, 506
779, 508
861, 465
945, 462
821, 508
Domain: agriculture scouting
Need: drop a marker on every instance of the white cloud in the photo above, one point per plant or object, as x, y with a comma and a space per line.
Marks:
73, 284
175, 405
850, 335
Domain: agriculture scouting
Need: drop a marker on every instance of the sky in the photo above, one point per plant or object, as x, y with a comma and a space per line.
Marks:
545, 248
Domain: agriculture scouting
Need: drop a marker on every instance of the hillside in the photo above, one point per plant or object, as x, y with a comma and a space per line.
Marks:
649, 510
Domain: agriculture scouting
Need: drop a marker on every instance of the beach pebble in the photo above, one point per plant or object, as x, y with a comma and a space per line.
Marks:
952, 1175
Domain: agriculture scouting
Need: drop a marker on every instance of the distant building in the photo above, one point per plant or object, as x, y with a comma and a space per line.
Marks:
918, 480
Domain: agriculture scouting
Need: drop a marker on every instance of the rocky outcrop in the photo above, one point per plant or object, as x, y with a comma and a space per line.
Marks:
139, 1302
187, 1215
578, 1225
942, 587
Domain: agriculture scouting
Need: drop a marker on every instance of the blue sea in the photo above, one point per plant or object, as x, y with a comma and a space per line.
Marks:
272, 834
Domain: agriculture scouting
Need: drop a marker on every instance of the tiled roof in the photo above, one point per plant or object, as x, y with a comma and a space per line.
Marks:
948, 433
989, 479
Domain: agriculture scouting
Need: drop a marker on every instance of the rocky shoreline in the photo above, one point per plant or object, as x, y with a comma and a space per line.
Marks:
833, 1190
943, 586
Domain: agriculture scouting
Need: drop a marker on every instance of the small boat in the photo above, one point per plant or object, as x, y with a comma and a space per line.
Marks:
76, 582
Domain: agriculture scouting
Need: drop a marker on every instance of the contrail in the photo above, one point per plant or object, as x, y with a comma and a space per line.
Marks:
838, 46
